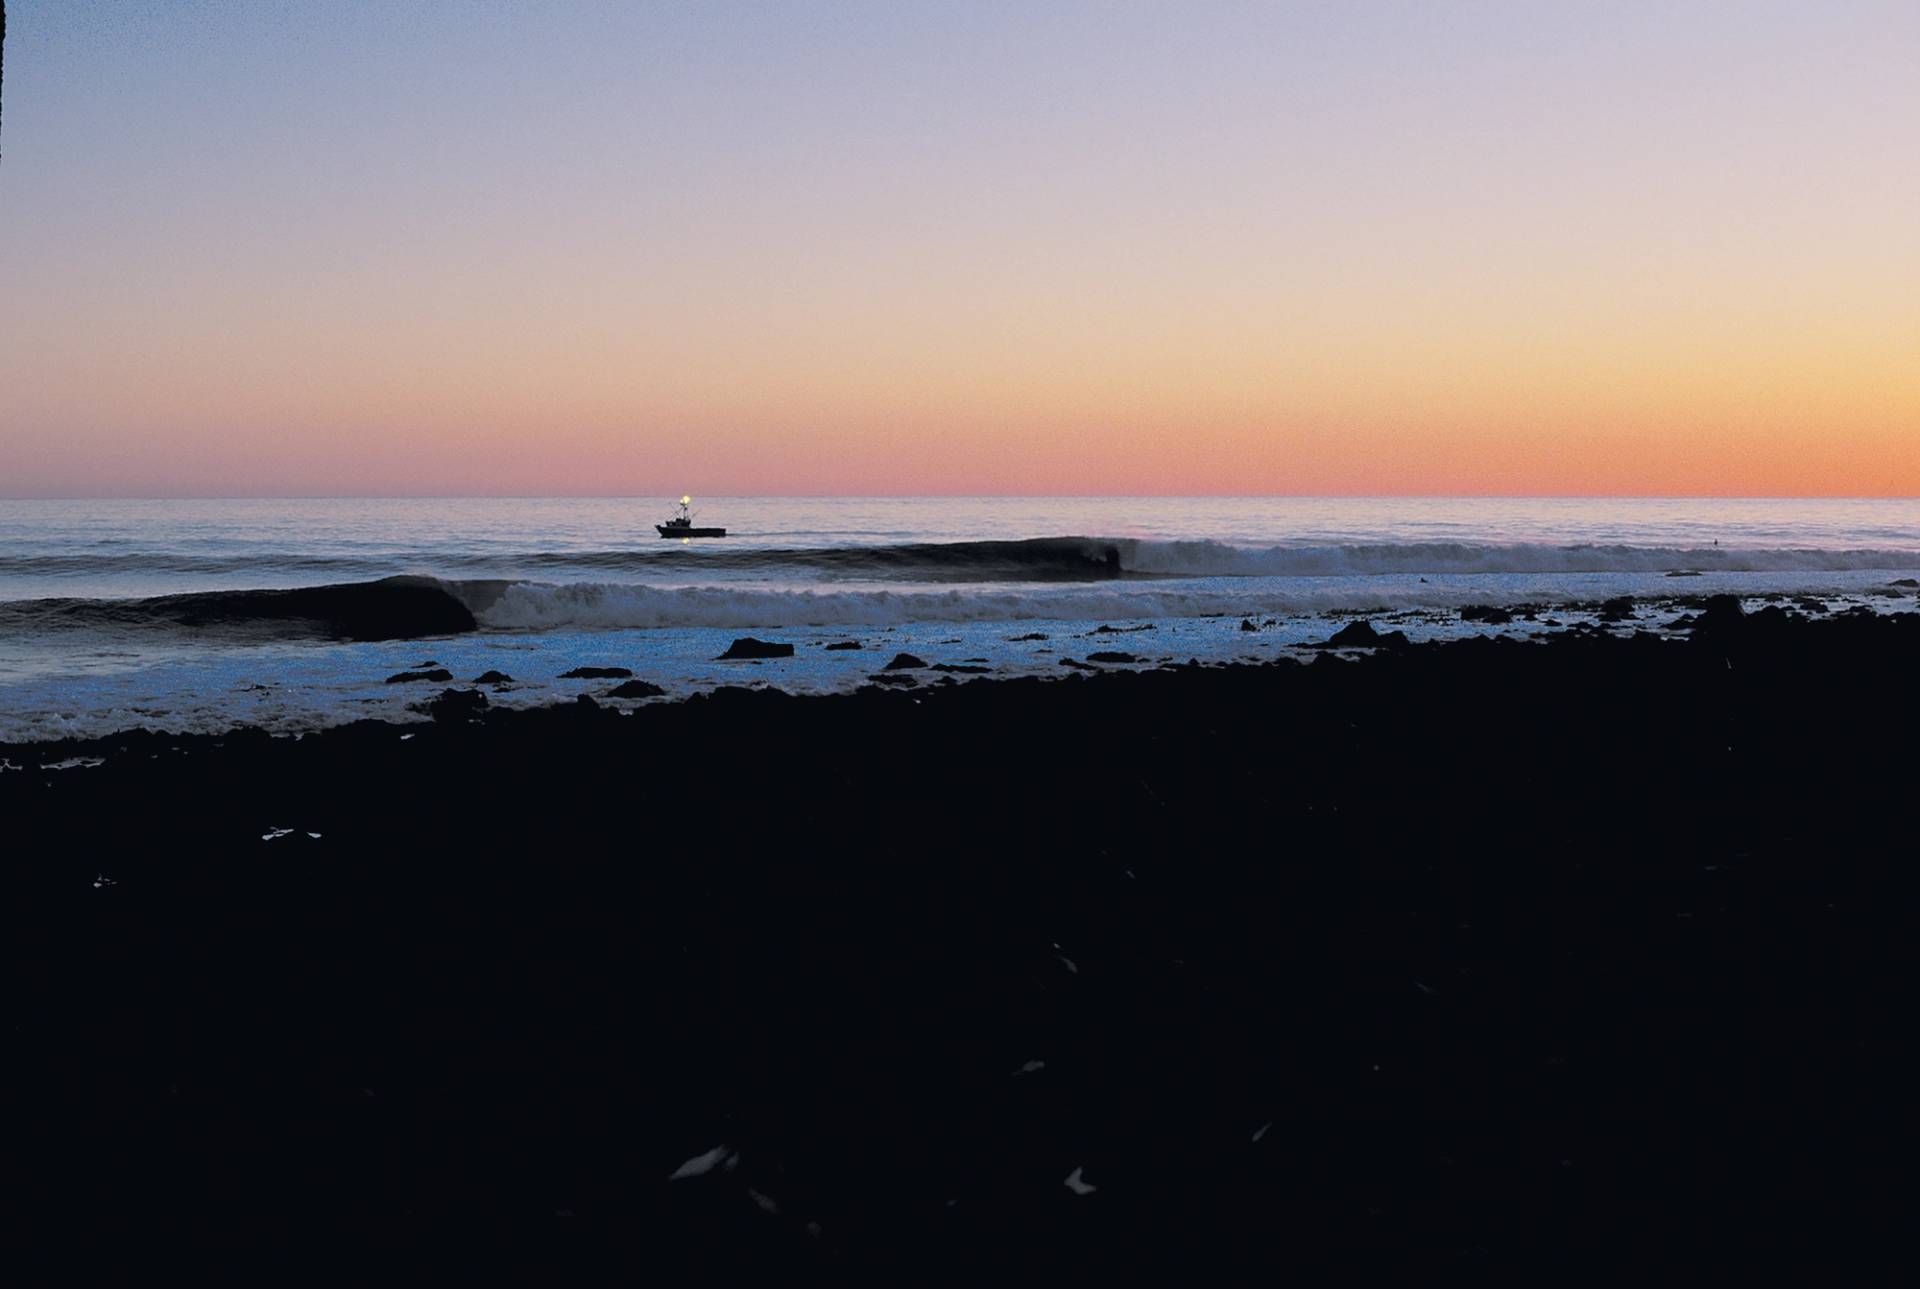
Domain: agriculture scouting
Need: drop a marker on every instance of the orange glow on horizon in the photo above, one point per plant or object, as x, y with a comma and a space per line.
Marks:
1526, 252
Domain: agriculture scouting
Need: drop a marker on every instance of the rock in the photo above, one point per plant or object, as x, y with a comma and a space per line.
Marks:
884, 679
408, 677
636, 689
1077, 665
904, 662
1684, 572
1360, 634
1111, 655
962, 668
1248, 624
1721, 620
1031, 635
493, 678
1490, 614
596, 673
1618, 609
1721, 610
844, 644
1908, 582
453, 706
1104, 630
1353, 634
748, 647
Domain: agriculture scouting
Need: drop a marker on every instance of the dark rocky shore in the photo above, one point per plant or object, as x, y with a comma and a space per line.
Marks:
1582, 956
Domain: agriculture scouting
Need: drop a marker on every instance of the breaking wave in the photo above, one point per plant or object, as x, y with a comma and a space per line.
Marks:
392, 608
530, 606
1038, 559
1056, 577
1217, 559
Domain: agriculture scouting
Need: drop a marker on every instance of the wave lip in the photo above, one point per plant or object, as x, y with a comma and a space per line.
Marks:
1031, 559
392, 608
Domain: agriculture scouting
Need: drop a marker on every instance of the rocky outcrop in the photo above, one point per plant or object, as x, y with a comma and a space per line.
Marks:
453, 706
1361, 635
748, 647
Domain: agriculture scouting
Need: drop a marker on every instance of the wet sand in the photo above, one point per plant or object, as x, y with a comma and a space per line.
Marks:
1451, 958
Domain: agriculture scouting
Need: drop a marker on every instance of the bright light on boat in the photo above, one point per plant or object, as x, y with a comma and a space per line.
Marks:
686, 501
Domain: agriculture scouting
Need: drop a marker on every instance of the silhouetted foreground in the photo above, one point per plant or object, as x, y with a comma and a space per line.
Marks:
1578, 956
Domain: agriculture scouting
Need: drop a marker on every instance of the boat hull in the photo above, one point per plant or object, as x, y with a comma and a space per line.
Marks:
666, 530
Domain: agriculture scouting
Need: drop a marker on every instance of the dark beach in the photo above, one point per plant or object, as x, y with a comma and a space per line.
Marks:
1467, 958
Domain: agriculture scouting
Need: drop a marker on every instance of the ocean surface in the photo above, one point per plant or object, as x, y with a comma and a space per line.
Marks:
118, 614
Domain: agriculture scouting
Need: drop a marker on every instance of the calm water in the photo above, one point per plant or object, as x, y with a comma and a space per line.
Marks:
557, 582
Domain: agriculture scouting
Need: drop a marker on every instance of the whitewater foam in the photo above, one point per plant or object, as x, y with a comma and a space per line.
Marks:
536, 606
1206, 558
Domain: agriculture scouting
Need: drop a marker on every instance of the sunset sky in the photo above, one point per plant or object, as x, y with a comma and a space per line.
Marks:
254, 247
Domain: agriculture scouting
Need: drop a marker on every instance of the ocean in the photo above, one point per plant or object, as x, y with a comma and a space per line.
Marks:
123, 614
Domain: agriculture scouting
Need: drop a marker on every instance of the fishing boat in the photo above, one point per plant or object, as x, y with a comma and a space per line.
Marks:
681, 525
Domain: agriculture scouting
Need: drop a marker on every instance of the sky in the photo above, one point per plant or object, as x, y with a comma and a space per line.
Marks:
462, 247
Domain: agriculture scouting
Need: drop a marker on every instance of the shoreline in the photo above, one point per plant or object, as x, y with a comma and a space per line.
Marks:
1482, 954
308, 685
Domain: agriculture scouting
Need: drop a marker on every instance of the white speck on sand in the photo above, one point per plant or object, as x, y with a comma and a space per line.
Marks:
1031, 1067
721, 1156
1261, 1131
1076, 1185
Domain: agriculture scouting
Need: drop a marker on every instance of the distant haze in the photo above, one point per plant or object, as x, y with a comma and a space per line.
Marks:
455, 247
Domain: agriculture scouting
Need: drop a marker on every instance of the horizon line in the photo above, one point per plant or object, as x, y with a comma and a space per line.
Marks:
978, 496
